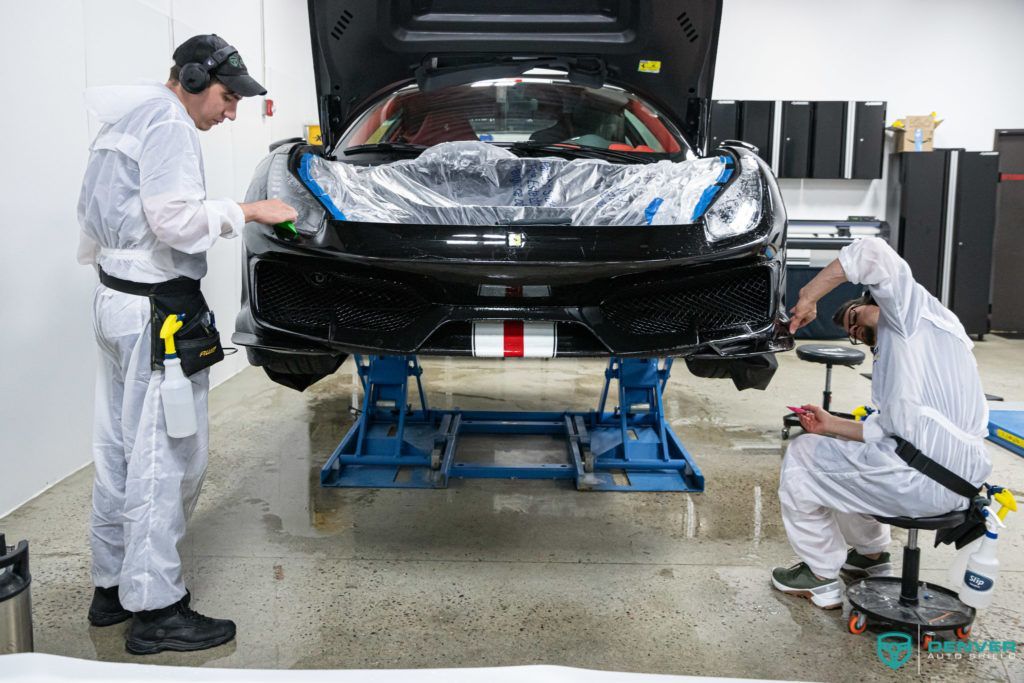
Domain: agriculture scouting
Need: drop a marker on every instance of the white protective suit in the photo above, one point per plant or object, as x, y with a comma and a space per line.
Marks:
926, 387
145, 218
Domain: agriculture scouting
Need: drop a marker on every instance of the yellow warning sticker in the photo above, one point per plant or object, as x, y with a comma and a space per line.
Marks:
313, 136
649, 66
1012, 438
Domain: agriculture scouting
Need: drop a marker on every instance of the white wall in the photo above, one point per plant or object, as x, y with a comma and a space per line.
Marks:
49, 53
959, 59
953, 57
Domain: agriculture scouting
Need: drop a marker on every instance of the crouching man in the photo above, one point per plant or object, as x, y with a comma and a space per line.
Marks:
926, 387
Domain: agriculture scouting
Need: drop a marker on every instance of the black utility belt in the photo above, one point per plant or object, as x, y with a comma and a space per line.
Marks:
198, 341
973, 525
909, 453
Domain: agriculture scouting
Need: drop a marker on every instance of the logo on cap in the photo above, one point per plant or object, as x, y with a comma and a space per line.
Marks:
235, 60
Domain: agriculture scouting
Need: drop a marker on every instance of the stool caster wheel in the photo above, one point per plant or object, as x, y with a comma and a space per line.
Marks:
927, 638
858, 623
785, 433
964, 632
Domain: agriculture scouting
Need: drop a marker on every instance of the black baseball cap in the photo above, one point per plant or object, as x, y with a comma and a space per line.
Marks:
231, 72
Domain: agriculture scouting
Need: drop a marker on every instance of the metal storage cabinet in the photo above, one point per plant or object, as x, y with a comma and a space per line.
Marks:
1007, 274
917, 195
868, 140
828, 139
752, 121
757, 126
724, 123
974, 227
945, 203
795, 145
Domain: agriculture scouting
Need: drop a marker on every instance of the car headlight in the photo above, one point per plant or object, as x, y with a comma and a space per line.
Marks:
281, 184
738, 209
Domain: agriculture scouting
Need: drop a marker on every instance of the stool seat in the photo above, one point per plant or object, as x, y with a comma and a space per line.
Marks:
946, 521
830, 354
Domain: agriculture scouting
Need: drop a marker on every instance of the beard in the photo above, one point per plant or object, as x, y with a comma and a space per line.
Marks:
870, 335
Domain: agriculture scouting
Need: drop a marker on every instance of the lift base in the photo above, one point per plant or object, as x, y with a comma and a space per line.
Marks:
393, 446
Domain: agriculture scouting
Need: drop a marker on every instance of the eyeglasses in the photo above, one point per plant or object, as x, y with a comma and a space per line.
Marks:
851, 323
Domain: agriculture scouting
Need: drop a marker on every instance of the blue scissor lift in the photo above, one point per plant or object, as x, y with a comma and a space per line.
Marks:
631, 448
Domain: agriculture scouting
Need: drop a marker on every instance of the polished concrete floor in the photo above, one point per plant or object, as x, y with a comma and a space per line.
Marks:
489, 573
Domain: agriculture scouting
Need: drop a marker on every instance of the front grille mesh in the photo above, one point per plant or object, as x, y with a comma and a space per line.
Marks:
743, 299
312, 301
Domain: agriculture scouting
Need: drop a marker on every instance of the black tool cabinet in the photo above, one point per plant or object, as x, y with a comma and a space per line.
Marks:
752, 121
795, 143
868, 140
828, 140
944, 206
816, 139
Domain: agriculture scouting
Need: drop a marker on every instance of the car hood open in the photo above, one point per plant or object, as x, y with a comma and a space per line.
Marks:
661, 50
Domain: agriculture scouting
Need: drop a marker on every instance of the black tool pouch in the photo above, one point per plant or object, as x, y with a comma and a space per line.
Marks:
969, 530
198, 341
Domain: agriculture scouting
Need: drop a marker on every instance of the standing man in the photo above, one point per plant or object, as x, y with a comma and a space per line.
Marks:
925, 384
146, 225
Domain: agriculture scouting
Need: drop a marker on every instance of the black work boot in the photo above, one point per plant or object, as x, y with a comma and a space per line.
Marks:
106, 609
176, 627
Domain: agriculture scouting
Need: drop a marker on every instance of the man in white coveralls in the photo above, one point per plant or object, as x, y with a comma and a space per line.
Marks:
926, 387
146, 226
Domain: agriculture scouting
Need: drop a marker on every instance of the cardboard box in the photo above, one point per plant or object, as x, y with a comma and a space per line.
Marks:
905, 131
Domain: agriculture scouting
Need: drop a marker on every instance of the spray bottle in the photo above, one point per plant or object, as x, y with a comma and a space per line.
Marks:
979, 580
1007, 504
176, 389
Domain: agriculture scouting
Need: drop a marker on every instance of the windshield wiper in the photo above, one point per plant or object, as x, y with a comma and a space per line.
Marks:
584, 151
400, 147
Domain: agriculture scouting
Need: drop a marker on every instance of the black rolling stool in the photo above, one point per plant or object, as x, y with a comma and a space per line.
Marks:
829, 355
905, 603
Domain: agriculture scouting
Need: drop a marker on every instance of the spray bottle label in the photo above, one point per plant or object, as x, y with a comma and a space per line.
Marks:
977, 581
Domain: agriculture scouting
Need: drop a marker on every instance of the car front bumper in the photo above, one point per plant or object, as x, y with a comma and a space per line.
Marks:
370, 288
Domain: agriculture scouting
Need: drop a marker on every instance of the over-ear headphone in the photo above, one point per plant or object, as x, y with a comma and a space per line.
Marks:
195, 76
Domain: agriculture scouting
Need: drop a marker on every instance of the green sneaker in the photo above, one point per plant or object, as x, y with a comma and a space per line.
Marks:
865, 566
800, 580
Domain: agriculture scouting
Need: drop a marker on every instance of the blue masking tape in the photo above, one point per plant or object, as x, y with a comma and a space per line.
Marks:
652, 209
314, 187
711, 191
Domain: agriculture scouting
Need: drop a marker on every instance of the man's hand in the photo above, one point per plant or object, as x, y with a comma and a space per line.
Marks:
805, 311
816, 420
268, 212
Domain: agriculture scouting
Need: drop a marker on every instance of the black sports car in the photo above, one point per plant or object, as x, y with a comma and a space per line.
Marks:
516, 179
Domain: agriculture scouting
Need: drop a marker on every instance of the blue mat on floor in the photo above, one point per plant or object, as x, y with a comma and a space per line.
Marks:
1006, 426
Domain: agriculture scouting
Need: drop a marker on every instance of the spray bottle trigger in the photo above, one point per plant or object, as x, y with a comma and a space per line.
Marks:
172, 324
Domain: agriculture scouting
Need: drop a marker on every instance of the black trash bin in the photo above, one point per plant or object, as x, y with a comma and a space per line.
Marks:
15, 598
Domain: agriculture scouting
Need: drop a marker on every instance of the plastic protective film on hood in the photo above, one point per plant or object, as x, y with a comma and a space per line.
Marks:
476, 183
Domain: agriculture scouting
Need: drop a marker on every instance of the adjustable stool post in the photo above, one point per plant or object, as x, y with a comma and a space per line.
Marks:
911, 569
826, 397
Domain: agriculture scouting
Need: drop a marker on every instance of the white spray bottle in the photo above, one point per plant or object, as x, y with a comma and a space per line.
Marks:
176, 389
1007, 505
979, 580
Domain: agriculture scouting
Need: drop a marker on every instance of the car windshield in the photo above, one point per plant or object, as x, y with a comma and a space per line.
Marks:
532, 109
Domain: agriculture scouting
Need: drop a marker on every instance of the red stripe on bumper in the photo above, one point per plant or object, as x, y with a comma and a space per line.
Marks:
514, 339
1003, 177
